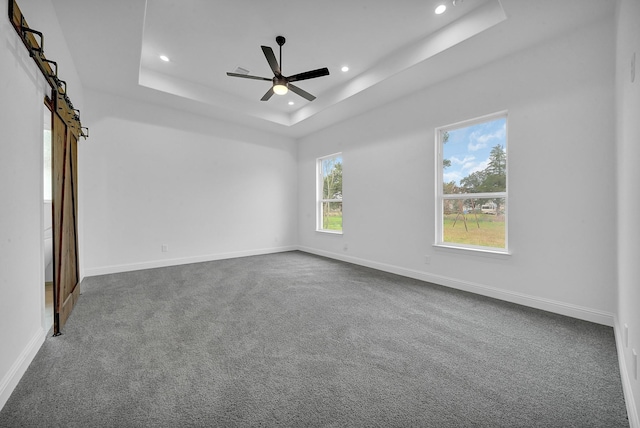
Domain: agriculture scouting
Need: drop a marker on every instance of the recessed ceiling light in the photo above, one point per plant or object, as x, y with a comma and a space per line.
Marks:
345, 69
440, 9
291, 103
164, 58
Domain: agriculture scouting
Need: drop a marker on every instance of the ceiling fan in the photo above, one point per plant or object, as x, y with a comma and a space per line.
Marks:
282, 84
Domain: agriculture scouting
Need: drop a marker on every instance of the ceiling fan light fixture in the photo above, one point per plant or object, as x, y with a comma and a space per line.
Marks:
280, 89
280, 85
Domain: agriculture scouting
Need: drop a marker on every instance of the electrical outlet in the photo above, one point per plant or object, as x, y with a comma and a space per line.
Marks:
427, 260
165, 248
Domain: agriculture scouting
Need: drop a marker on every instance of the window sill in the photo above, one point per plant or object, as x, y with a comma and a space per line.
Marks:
450, 248
330, 232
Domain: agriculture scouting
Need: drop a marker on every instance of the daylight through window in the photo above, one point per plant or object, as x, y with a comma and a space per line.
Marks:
47, 155
329, 173
471, 198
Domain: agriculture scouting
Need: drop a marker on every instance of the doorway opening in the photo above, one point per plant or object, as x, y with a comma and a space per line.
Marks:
48, 217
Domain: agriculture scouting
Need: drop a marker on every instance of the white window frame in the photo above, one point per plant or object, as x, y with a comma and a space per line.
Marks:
319, 192
439, 191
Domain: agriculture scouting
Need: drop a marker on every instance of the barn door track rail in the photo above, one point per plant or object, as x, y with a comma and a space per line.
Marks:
34, 42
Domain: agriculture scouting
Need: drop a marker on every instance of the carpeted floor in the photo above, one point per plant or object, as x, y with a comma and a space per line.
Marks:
297, 340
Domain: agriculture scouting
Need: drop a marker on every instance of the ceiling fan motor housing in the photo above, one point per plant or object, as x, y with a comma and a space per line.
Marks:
280, 80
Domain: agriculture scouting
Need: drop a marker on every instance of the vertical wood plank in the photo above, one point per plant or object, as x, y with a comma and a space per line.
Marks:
66, 270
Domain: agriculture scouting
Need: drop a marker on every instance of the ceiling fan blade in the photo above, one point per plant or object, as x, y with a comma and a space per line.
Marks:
302, 93
271, 59
309, 75
268, 95
246, 76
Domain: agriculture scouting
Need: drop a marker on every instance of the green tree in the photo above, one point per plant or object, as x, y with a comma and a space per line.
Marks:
451, 188
474, 182
492, 179
332, 185
496, 180
331, 189
446, 163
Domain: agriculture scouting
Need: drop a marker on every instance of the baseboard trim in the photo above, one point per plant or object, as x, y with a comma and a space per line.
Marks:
19, 367
632, 410
104, 270
574, 311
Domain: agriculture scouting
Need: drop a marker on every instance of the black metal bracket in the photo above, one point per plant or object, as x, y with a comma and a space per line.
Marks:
54, 76
56, 324
60, 84
33, 50
34, 42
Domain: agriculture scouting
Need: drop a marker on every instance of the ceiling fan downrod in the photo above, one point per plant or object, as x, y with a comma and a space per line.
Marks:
280, 40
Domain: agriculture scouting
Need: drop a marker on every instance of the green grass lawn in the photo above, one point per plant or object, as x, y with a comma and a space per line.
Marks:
490, 233
332, 222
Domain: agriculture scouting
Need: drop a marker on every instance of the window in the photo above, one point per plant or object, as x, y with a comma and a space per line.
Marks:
329, 173
471, 194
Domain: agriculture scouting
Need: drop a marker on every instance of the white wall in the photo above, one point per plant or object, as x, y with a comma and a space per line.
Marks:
628, 145
560, 101
22, 91
151, 176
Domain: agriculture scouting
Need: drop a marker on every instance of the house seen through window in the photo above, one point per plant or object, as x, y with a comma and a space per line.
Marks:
471, 198
329, 181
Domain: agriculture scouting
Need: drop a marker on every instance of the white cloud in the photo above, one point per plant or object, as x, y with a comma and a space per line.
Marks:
456, 161
479, 167
451, 176
469, 165
479, 141
474, 147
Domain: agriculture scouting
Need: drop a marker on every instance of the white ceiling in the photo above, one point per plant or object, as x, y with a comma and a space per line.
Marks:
391, 47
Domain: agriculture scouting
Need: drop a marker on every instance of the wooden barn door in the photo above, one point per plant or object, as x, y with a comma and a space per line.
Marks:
66, 288
66, 128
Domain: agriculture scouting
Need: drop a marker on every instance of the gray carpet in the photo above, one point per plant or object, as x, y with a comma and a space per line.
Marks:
296, 340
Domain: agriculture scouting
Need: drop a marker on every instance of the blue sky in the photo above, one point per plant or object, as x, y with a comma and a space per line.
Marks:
468, 148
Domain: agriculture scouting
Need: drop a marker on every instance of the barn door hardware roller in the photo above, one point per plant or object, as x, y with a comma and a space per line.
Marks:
34, 42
